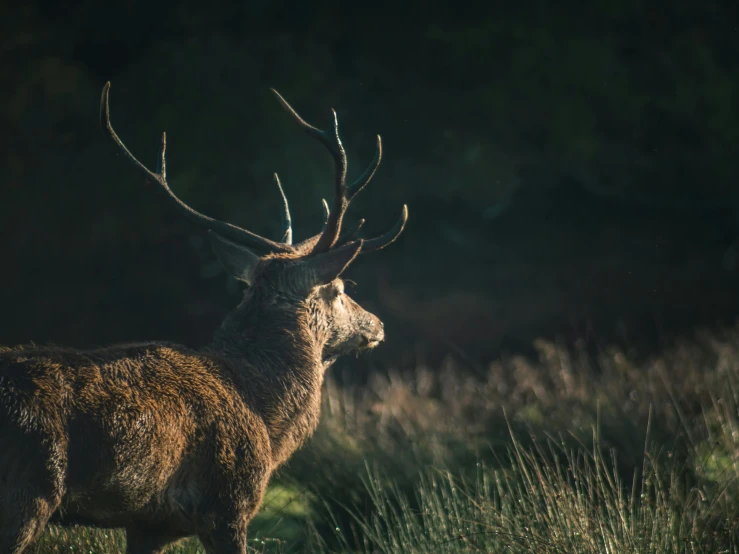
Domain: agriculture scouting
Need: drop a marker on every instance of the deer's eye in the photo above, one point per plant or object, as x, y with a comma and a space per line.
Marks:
337, 290
332, 292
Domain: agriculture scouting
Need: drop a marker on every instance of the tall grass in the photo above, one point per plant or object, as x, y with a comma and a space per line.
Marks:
550, 499
568, 453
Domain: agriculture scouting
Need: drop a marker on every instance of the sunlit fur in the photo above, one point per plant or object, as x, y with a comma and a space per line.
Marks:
164, 440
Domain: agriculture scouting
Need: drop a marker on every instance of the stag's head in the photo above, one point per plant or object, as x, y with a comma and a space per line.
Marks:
295, 279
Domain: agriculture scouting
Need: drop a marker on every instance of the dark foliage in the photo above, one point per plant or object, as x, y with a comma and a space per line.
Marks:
573, 167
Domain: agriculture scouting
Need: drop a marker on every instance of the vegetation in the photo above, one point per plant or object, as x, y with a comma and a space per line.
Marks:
572, 452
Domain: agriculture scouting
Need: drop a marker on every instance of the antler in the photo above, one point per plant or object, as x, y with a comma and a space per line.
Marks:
331, 234
287, 221
227, 230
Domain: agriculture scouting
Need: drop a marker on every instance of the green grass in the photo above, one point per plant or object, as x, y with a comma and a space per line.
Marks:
570, 453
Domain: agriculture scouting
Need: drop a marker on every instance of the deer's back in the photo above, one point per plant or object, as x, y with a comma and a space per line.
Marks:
146, 428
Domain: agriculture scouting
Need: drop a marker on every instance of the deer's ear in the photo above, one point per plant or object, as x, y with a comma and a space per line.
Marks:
237, 260
324, 268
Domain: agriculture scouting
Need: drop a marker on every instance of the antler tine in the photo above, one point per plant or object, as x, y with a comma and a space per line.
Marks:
352, 233
332, 141
287, 222
349, 236
387, 238
366, 176
231, 232
326, 212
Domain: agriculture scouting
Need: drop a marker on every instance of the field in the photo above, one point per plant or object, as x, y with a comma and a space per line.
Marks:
570, 452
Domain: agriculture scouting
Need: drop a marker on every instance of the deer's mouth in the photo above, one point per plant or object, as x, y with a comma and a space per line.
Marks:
372, 341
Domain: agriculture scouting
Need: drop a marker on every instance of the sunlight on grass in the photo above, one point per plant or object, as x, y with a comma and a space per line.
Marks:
280, 522
551, 500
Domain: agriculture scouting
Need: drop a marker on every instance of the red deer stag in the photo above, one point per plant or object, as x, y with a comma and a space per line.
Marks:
166, 441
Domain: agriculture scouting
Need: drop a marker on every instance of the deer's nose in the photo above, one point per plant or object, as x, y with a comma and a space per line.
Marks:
374, 331
379, 330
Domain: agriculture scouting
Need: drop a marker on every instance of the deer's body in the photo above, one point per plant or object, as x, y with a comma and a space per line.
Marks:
132, 428
154, 432
166, 441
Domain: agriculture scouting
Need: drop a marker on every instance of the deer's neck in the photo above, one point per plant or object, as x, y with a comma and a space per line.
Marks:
279, 365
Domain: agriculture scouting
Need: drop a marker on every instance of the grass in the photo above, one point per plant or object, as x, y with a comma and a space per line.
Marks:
567, 453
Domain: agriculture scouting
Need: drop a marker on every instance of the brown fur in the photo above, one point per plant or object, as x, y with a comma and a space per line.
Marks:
163, 440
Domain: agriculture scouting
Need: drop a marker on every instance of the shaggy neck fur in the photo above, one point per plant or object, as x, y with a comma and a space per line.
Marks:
277, 358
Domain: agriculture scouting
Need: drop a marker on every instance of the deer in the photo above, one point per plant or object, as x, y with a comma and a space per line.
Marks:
168, 442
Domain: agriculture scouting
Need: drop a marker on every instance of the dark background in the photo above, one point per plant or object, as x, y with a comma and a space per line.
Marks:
571, 168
